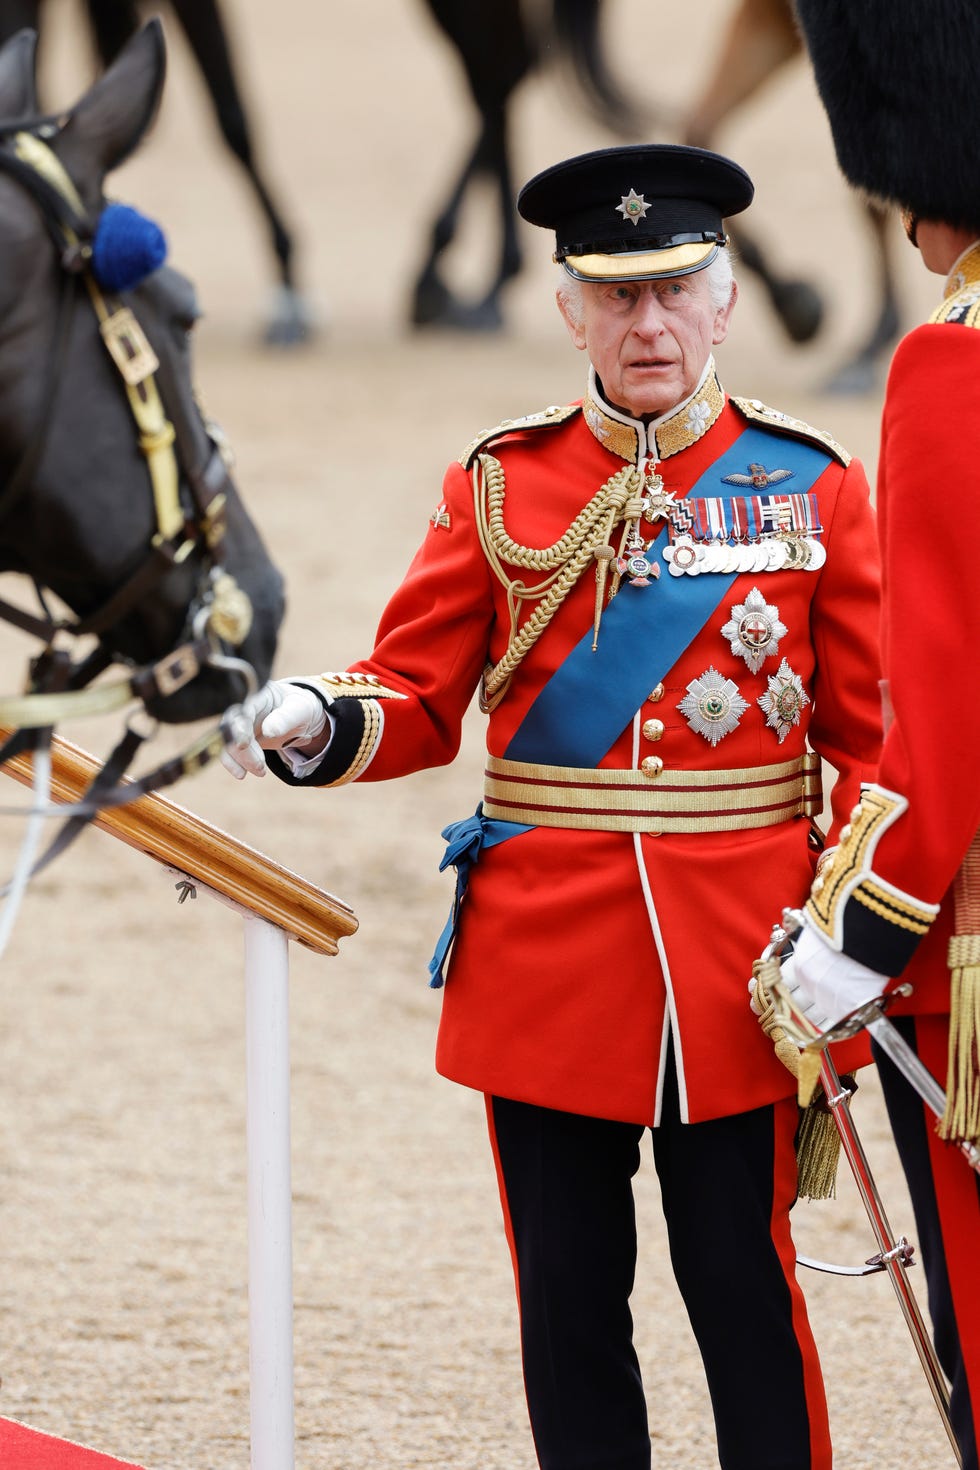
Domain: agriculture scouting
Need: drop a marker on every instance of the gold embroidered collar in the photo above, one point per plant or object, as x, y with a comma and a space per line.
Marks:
633, 440
965, 272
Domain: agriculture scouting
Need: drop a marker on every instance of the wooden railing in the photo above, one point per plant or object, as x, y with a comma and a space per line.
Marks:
178, 838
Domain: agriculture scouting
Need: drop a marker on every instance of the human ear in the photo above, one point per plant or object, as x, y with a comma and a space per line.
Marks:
723, 317
572, 320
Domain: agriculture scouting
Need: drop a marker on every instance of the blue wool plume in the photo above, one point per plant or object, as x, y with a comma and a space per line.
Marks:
127, 247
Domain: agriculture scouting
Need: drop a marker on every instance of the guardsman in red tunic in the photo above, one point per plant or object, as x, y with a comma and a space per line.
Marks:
667, 599
899, 903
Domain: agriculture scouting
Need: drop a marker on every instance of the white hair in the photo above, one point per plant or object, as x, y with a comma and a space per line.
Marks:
719, 274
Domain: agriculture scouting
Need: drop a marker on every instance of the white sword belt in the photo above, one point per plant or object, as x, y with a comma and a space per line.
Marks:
670, 801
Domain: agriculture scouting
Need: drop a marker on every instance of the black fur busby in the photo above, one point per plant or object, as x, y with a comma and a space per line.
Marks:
900, 80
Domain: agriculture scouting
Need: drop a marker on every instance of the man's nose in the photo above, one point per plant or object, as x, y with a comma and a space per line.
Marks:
648, 318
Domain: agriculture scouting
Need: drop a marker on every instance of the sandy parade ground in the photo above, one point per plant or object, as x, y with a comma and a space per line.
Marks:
123, 1269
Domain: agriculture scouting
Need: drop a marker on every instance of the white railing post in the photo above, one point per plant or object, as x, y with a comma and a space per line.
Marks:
270, 1254
276, 906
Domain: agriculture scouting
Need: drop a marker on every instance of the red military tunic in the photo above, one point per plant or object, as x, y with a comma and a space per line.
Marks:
579, 951
887, 897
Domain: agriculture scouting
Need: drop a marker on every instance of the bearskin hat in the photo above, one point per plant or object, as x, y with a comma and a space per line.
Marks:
900, 80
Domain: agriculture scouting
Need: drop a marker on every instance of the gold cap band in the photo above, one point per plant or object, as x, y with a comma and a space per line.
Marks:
642, 265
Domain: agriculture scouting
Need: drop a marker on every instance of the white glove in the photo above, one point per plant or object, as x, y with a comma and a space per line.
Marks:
280, 714
825, 985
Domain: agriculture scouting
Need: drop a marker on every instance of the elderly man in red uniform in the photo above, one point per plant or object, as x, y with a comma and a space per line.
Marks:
667, 599
901, 897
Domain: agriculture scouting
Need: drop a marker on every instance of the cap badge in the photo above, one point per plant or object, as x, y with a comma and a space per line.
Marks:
633, 207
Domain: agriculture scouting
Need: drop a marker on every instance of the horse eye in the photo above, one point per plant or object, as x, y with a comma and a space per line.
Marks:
187, 320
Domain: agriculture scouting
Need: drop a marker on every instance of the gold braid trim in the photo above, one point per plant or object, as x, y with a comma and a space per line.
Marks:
961, 297
961, 1120
850, 874
370, 736
817, 1139
586, 540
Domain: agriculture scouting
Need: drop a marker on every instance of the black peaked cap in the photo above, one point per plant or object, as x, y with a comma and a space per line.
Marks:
661, 200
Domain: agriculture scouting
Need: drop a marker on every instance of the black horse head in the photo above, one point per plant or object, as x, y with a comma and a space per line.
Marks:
113, 491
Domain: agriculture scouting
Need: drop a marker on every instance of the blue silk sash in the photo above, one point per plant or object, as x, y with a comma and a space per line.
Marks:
591, 697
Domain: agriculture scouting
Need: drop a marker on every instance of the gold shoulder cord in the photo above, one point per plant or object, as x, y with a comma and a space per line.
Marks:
586, 539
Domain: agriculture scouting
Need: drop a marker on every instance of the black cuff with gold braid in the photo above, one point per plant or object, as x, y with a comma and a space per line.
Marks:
354, 701
861, 914
339, 763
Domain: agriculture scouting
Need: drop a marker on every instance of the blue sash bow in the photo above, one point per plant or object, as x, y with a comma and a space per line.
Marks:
466, 840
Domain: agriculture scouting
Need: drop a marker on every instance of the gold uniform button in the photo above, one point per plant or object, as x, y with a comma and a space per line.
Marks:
653, 729
657, 694
651, 766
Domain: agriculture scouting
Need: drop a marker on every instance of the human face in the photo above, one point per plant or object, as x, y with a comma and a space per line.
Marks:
648, 340
941, 245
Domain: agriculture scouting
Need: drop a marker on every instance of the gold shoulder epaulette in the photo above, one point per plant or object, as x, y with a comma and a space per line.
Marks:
546, 419
783, 423
962, 308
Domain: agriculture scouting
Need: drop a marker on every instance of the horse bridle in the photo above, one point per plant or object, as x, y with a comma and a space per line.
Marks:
223, 613
218, 617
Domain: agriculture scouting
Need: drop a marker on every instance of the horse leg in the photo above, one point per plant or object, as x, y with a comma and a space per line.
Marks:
18, 15
496, 51
432, 301
208, 39
112, 22
858, 374
487, 315
760, 38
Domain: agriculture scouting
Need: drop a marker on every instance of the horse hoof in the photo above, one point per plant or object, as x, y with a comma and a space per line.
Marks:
854, 379
477, 316
290, 321
432, 303
800, 309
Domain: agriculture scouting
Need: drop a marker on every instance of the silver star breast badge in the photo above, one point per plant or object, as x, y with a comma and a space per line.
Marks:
633, 207
784, 701
712, 706
754, 630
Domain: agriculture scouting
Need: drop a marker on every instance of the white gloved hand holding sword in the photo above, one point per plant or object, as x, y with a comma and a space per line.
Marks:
825, 985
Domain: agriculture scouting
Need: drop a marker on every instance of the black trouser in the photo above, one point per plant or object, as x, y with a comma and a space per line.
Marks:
946, 1204
568, 1202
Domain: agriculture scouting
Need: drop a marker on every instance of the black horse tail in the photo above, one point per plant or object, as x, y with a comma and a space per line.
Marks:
577, 31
